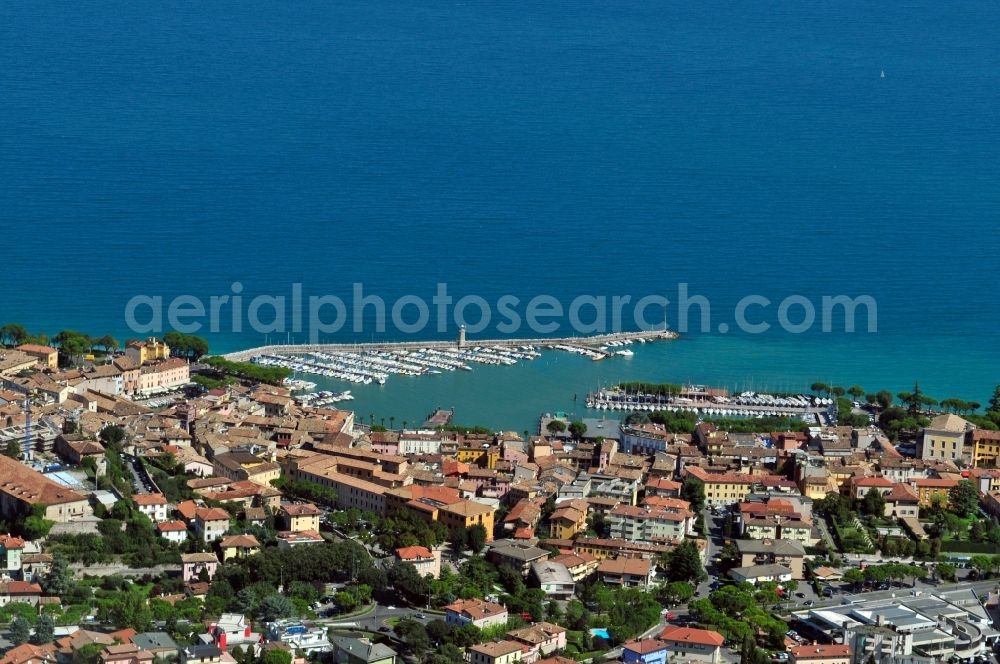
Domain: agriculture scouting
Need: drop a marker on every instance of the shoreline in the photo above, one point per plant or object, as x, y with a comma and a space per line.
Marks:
590, 342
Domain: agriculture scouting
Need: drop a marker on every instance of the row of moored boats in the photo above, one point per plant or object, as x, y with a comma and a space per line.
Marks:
375, 366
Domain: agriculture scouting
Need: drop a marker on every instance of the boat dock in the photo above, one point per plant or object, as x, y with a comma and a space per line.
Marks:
439, 418
592, 343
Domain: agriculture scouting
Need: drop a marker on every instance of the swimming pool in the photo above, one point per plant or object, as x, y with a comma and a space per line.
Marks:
601, 632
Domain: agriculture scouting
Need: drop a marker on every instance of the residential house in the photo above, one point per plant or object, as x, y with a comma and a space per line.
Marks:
232, 629
902, 502
687, 644
788, 553
211, 523
540, 639
830, 653
348, 650
554, 579
626, 572
475, 612
238, 546
29, 653
158, 643
11, 549
644, 651
568, 519
172, 531
208, 653
298, 517
19, 591
194, 563
496, 652
516, 553
755, 574
426, 561
125, 653
153, 505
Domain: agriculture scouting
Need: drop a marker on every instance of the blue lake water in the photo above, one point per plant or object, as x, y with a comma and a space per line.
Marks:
568, 148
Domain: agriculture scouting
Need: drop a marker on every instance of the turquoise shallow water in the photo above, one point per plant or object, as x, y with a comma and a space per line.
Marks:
567, 148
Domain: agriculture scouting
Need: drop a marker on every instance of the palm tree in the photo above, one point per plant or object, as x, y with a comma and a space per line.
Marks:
392, 422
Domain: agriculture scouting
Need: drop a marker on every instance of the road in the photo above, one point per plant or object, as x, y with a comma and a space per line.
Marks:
375, 620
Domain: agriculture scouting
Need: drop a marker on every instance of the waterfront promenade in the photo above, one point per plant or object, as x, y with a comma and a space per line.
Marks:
589, 342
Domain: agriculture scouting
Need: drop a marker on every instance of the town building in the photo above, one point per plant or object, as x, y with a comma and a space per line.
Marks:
687, 644
475, 612
426, 561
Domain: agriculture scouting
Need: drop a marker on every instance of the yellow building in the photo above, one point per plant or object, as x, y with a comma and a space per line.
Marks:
984, 447
723, 489
496, 652
931, 491
239, 466
466, 514
299, 517
150, 350
568, 519
46, 355
479, 451
238, 546
944, 438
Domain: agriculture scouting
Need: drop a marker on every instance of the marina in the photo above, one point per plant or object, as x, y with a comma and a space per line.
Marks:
714, 402
374, 364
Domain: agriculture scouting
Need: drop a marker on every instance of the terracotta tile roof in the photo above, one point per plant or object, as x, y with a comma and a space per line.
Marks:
171, 526
819, 651
414, 553
245, 541
645, 646
704, 637
149, 499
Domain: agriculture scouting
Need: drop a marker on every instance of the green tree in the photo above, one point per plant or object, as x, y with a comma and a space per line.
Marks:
693, 491
112, 435
276, 656
915, 400
854, 576
884, 398
45, 629
676, 592
129, 609
964, 498
59, 579
684, 563
555, 426
276, 607
994, 404
946, 571
459, 539
577, 429
19, 631
13, 449
88, 654
856, 391
873, 504
477, 538
13, 334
